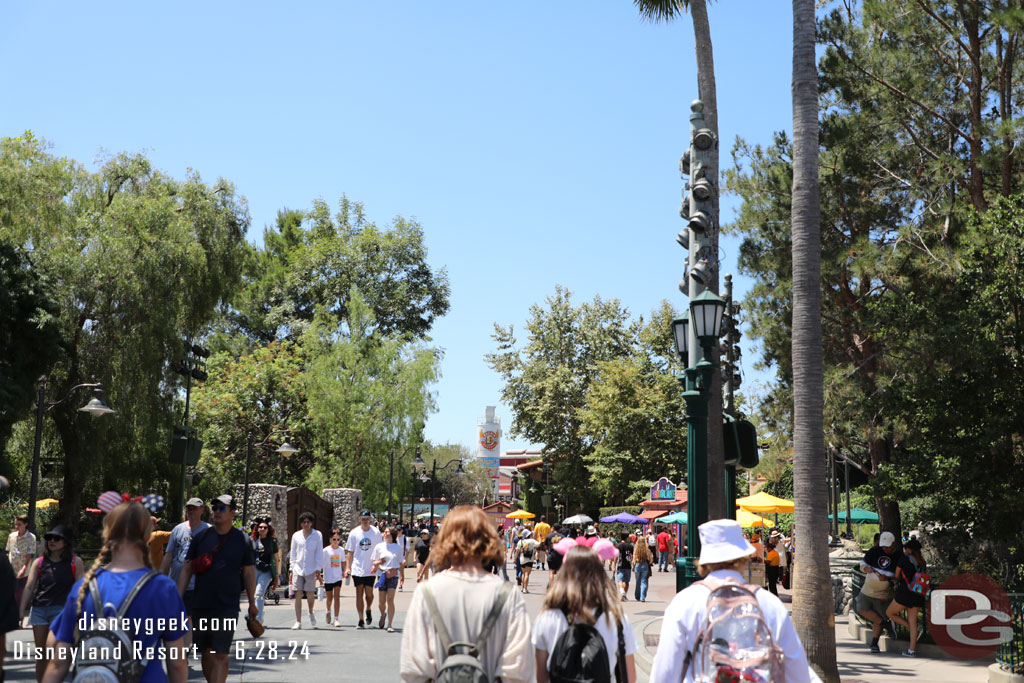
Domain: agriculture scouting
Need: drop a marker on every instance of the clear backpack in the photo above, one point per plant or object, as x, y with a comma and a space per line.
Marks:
735, 643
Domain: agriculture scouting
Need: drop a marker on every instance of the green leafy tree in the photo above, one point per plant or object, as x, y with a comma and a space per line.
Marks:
311, 261
635, 414
547, 380
258, 397
30, 336
366, 395
137, 259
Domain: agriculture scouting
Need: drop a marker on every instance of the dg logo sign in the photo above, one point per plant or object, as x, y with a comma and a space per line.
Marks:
969, 616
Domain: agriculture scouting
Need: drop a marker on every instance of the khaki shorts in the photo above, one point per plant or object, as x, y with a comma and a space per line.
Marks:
305, 583
866, 603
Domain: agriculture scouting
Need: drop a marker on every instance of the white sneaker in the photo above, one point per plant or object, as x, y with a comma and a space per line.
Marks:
337, 624
297, 625
312, 619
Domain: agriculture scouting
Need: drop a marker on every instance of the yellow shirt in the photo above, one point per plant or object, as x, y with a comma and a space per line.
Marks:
541, 531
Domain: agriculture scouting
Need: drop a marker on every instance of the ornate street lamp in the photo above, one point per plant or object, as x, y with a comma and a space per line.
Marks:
96, 407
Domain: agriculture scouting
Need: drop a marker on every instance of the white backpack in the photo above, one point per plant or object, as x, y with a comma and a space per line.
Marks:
735, 642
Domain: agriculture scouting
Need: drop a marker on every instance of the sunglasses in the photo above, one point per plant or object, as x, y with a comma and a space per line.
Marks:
219, 508
263, 526
335, 538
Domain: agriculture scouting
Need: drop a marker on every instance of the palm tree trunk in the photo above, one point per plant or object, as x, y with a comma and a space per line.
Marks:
812, 602
706, 89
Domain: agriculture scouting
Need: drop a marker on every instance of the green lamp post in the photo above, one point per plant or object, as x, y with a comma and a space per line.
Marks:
705, 315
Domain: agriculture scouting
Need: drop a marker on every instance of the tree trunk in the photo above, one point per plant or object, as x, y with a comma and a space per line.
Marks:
812, 603
707, 93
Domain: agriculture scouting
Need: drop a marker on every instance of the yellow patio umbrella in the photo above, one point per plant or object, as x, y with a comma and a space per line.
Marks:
749, 519
44, 503
764, 502
520, 514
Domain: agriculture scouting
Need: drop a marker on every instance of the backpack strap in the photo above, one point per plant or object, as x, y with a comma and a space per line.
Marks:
621, 676
134, 591
499, 603
696, 645
435, 614
97, 603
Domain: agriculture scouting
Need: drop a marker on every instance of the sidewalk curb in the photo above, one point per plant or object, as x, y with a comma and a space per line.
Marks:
861, 633
643, 658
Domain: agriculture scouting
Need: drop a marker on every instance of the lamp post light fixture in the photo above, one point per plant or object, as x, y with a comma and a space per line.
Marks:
391, 478
96, 407
285, 449
705, 315
420, 466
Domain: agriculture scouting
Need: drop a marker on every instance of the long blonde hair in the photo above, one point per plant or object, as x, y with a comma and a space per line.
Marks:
642, 552
127, 524
582, 588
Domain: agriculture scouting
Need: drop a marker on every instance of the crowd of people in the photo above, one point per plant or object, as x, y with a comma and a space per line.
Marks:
465, 600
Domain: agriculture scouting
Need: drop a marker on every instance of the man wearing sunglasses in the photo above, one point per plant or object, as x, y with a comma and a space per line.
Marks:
221, 558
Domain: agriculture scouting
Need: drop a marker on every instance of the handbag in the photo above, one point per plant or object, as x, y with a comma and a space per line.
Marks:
202, 563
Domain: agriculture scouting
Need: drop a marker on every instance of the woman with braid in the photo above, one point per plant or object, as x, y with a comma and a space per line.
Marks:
124, 562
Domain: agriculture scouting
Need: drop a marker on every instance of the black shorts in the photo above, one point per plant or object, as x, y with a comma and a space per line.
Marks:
214, 629
364, 580
331, 586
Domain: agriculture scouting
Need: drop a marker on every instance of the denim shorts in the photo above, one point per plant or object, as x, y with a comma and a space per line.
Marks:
623, 576
43, 616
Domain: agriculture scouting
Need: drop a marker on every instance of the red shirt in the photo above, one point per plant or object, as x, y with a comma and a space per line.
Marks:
663, 540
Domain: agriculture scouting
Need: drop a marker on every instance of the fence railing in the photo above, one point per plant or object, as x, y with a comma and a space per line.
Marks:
1010, 656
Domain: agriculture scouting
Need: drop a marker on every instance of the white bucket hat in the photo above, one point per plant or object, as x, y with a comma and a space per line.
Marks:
722, 540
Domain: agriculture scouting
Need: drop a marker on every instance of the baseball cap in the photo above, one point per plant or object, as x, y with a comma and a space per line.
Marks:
424, 531
225, 499
886, 539
365, 513
194, 503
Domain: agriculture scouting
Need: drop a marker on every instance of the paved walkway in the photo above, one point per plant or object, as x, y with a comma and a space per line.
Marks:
371, 655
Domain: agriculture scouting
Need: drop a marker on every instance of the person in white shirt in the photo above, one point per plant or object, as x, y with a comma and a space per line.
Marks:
359, 565
306, 557
388, 556
581, 592
724, 555
331, 571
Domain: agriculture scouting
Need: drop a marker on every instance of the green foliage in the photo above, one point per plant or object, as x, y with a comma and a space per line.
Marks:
136, 260
546, 382
366, 394
30, 336
301, 272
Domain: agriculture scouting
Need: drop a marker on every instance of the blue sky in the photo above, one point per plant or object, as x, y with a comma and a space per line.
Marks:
537, 143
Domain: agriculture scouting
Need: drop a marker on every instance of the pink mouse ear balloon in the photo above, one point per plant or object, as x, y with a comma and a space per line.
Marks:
564, 546
108, 500
605, 549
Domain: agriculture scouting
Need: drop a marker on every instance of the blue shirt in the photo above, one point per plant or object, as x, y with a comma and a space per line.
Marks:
158, 599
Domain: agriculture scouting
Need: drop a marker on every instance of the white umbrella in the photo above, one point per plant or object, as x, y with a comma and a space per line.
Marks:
426, 515
578, 519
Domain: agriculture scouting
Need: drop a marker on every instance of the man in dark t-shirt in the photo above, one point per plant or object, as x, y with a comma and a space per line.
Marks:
625, 569
214, 608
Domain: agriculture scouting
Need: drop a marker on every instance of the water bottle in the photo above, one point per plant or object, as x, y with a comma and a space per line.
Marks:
348, 579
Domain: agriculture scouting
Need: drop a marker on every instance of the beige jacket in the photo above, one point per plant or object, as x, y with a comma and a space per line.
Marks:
464, 600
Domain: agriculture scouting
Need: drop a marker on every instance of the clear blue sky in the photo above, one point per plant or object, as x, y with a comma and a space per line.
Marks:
537, 143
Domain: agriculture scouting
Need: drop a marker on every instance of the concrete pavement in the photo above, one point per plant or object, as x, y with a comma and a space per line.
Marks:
371, 655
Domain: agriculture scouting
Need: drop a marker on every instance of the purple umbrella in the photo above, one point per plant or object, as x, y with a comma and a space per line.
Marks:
625, 518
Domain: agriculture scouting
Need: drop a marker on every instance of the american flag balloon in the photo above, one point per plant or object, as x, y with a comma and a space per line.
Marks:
108, 500
154, 503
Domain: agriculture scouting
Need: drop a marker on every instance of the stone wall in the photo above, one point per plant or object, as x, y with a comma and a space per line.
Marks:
265, 500
347, 505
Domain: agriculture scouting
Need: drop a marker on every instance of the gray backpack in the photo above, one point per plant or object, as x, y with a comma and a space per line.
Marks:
106, 655
465, 668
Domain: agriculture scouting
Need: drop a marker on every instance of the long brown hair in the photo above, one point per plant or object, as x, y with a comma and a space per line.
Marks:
127, 524
466, 536
582, 588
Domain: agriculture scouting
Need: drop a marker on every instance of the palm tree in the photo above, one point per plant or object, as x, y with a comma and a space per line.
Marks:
667, 10
812, 603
